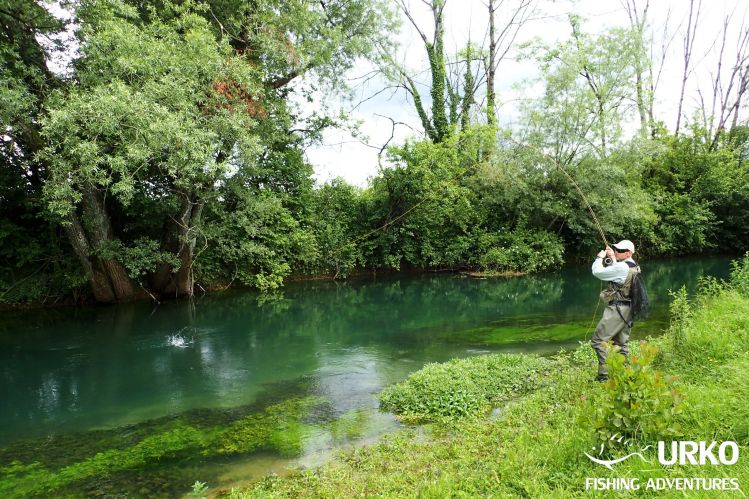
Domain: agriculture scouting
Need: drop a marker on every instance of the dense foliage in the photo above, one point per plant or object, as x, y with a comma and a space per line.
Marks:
464, 387
169, 156
640, 403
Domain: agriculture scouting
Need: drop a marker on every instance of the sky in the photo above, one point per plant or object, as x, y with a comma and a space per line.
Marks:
375, 107
356, 160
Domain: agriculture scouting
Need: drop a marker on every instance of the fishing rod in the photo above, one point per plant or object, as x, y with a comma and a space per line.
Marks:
607, 261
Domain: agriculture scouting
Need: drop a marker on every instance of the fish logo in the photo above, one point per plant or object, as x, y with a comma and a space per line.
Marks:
609, 463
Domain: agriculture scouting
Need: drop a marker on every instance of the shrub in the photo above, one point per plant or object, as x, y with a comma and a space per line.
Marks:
740, 275
463, 387
639, 403
521, 250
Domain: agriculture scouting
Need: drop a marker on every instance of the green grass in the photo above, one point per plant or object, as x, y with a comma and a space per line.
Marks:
465, 387
535, 447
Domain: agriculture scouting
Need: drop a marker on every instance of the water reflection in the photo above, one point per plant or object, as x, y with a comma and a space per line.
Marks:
105, 366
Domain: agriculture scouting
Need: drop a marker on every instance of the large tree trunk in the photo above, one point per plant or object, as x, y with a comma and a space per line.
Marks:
100, 235
439, 75
100, 285
179, 238
184, 280
108, 278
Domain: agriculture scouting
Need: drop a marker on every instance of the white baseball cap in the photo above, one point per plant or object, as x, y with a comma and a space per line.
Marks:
625, 244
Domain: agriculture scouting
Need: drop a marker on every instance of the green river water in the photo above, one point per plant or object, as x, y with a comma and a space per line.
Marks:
143, 400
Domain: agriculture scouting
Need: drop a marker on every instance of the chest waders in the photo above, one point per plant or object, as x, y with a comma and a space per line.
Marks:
621, 294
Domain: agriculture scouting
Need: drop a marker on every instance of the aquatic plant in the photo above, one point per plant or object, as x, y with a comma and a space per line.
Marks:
277, 428
464, 387
350, 425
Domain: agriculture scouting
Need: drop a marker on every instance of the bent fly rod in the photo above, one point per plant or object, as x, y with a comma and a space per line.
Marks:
607, 260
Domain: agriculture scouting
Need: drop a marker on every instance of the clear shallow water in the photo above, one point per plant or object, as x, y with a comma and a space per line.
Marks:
68, 372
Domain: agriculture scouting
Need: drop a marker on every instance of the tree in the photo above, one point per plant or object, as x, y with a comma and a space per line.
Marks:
453, 92
33, 257
728, 84
149, 118
588, 90
643, 66
171, 102
688, 45
500, 44
436, 127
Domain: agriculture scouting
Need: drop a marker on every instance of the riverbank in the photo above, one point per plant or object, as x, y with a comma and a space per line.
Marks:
528, 434
84, 299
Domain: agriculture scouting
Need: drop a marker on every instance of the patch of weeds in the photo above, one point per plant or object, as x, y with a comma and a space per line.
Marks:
464, 387
640, 403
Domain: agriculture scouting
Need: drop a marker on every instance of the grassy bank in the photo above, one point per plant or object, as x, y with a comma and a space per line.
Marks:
521, 425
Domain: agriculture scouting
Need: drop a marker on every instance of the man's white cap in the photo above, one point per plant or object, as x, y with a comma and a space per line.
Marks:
625, 244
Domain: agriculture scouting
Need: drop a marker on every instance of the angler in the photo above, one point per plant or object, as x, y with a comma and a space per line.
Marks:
625, 298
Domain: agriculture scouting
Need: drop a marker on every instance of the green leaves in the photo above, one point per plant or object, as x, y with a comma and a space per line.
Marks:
463, 387
589, 83
639, 403
255, 242
520, 250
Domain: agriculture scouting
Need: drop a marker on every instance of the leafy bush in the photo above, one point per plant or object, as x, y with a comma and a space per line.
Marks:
521, 250
143, 257
463, 387
35, 264
740, 275
334, 208
426, 213
255, 243
639, 403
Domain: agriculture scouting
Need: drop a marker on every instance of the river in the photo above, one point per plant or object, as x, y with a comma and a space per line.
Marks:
77, 382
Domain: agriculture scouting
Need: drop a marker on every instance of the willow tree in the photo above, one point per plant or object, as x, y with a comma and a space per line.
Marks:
147, 121
589, 82
171, 104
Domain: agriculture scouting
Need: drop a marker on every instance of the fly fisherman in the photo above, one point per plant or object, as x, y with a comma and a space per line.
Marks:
618, 270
